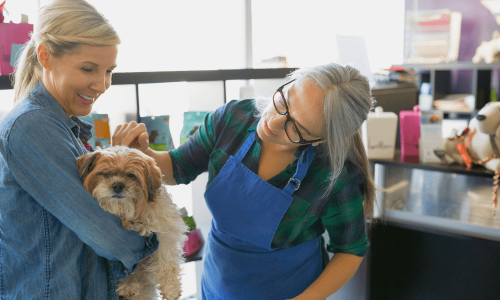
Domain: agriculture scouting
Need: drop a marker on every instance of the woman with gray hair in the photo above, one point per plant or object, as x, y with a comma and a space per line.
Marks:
281, 172
56, 242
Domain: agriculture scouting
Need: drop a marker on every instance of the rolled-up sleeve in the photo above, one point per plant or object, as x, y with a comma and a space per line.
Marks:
41, 155
344, 219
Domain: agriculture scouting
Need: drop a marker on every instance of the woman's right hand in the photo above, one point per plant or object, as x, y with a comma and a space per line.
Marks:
132, 135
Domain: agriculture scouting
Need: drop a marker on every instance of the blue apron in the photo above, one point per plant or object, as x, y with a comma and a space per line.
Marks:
239, 262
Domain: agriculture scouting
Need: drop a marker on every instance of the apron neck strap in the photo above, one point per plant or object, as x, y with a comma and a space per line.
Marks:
300, 173
244, 148
302, 165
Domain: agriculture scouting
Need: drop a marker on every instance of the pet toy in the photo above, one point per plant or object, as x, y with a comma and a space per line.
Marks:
478, 144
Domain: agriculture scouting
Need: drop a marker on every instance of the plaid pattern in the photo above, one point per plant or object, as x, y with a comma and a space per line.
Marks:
341, 213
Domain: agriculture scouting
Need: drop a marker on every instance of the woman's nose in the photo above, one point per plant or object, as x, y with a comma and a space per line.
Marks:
277, 121
101, 84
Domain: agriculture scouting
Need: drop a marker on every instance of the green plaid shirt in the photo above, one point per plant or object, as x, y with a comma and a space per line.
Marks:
341, 213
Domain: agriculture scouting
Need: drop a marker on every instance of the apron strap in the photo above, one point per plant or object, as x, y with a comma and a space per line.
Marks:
302, 166
244, 148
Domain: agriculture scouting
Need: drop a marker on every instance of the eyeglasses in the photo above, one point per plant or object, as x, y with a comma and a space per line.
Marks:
291, 129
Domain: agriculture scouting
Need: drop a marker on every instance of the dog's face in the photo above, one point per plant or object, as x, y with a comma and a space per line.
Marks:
122, 179
488, 119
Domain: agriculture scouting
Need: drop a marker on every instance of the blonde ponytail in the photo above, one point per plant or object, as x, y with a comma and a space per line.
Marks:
63, 26
28, 71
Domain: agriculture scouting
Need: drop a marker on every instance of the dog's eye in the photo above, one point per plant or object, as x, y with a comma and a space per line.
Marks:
105, 174
132, 176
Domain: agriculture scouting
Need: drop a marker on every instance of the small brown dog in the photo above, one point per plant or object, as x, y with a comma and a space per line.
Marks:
128, 184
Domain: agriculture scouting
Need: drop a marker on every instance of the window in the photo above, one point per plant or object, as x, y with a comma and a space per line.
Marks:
305, 31
177, 35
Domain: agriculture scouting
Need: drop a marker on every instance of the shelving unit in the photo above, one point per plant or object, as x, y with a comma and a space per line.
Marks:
439, 76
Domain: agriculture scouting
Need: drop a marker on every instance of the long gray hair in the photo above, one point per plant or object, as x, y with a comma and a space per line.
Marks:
63, 26
347, 102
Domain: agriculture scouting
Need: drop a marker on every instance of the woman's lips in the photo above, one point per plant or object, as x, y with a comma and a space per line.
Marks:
85, 101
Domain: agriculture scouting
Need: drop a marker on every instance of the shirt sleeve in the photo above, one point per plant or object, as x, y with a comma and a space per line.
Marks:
191, 158
42, 157
344, 219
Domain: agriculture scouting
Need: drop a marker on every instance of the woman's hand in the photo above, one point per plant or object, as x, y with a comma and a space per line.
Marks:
132, 135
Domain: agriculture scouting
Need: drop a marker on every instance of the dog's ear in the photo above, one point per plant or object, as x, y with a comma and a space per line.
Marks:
86, 163
153, 178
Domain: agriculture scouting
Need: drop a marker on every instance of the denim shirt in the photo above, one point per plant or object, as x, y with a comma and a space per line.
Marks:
56, 242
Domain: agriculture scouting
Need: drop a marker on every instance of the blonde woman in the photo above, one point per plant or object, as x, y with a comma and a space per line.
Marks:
55, 240
280, 173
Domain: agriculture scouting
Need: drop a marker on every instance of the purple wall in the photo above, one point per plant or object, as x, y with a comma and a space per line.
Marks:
478, 25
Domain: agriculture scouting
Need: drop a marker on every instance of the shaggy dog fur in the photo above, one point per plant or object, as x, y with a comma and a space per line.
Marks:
127, 183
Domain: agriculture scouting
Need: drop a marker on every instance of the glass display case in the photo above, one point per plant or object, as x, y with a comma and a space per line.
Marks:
436, 235
444, 197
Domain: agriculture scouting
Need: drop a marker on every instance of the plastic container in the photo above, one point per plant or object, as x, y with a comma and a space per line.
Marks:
410, 132
379, 134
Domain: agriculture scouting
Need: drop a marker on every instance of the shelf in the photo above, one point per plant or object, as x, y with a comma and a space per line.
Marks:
453, 66
177, 76
476, 170
440, 78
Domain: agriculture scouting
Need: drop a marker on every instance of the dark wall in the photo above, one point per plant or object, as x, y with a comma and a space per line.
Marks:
414, 264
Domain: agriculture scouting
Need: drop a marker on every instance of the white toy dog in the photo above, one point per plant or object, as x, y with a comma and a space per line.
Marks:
488, 51
479, 143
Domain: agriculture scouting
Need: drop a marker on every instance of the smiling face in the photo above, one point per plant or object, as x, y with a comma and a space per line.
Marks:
305, 103
77, 79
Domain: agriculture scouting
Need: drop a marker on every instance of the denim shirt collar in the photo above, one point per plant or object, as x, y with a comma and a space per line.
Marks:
79, 128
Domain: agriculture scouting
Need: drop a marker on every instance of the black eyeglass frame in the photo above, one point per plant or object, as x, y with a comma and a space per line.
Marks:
302, 141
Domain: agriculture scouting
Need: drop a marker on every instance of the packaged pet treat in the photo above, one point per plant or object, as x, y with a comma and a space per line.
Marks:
431, 137
409, 122
192, 120
379, 134
12, 37
158, 127
101, 134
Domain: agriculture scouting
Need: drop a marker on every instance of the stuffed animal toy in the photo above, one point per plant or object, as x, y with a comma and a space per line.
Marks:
479, 144
488, 51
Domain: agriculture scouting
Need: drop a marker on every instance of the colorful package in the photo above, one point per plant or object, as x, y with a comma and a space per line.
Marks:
12, 33
101, 134
192, 120
158, 128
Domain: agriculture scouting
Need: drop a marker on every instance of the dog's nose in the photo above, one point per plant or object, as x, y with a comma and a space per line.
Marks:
480, 117
118, 187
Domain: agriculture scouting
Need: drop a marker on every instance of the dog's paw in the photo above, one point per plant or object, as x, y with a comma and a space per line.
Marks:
170, 295
128, 291
129, 225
